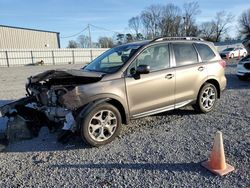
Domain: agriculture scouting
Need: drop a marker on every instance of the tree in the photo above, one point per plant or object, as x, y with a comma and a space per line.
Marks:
105, 42
72, 44
120, 38
139, 36
83, 41
208, 31
191, 10
151, 19
222, 22
167, 20
244, 23
134, 24
129, 37
171, 21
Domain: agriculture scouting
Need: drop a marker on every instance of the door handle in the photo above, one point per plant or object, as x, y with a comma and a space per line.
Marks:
201, 68
169, 76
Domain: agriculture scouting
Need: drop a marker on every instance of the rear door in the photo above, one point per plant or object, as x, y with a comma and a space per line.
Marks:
190, 72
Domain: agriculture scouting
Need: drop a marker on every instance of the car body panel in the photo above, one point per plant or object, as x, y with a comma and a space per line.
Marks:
235, 52
243, 67
189, 79
150, 92
216, 72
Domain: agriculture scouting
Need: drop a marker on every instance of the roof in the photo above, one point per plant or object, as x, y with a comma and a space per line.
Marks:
13, 27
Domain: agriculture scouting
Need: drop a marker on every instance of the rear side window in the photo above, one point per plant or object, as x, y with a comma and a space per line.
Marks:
205, 52
185, 54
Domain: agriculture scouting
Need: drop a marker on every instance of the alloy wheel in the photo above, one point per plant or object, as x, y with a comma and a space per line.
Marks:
208, 98
102, 125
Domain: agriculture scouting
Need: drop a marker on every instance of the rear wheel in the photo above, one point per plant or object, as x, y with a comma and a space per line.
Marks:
206, 99
101, 125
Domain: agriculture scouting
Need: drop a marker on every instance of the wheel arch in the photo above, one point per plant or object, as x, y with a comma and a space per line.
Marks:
121, 109
116, 103
215, 83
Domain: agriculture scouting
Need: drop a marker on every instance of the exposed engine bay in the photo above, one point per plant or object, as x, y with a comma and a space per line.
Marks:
45, 104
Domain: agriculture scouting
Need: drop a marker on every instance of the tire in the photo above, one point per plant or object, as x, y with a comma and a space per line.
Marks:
206, 99
243, 78
101, 124
232, 56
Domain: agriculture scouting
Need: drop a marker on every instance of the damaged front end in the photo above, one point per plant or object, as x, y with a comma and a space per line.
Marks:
46, 104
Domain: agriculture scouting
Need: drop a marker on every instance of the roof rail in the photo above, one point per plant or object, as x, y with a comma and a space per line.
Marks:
176, 38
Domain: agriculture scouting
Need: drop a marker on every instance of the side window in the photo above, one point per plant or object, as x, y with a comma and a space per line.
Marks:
205, 51
157, 57
185, 54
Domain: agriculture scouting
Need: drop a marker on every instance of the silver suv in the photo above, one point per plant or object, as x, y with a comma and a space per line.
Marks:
126, 82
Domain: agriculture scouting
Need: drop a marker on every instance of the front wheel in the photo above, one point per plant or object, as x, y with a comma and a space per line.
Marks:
101, 125
206, 99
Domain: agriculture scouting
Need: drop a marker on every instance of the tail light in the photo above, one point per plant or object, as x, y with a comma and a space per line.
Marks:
223, 63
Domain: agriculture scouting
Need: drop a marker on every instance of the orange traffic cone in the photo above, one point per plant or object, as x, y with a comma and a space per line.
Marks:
217, 163
239, 55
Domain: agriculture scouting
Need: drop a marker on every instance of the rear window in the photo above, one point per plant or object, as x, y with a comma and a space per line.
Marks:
228, 49
205, 52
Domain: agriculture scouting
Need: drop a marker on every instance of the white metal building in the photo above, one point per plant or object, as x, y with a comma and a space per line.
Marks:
25, 38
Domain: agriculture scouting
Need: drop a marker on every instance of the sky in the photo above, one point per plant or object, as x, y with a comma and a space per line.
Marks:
71, 16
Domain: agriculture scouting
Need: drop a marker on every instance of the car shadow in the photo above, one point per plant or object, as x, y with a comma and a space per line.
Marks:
166, 167
233, 82
45, 142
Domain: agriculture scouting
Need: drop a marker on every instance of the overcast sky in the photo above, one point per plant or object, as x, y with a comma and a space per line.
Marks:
71, 16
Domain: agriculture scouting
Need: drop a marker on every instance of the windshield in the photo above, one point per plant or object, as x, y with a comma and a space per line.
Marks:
113, 59
228, 49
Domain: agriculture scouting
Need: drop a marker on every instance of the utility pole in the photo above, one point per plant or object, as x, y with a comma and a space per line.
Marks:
90, 43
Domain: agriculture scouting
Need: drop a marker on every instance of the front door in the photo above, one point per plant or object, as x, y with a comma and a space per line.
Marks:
154, 91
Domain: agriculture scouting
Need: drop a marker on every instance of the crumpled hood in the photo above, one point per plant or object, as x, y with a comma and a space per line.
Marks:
65, 74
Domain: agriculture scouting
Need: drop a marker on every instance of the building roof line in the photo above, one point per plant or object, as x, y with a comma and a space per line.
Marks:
13, 27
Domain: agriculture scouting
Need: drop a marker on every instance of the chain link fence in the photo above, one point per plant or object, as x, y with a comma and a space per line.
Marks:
21, 57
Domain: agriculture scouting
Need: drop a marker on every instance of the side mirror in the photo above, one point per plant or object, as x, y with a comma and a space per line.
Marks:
143, 69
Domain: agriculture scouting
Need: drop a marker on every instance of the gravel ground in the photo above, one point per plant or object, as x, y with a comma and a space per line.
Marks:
163, 150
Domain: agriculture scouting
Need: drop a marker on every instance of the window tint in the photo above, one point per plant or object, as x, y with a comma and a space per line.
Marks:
185, 54
205, 52
157, 57
228, 49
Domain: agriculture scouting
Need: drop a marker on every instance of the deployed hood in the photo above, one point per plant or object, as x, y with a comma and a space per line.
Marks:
63, 74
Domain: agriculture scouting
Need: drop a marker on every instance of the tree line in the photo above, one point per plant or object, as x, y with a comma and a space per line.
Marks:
172, 21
